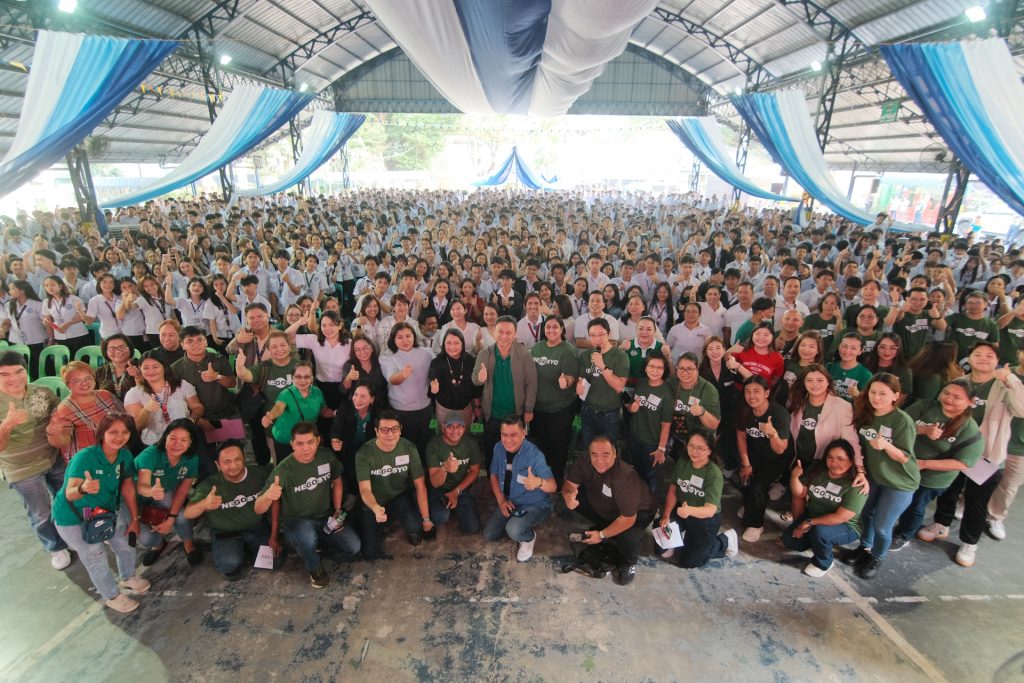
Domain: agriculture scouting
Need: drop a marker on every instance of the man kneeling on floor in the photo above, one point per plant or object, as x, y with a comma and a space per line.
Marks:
234, 509
306, 492
453, 460
615, 500
522, 483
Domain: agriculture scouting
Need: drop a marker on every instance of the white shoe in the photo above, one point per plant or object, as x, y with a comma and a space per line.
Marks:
959, 511
776, 491
965, 555
60, 559
996, 529
733, 547
123, 604
752, 534
525, 551
805, 553
136, 584
814, 571
933, 531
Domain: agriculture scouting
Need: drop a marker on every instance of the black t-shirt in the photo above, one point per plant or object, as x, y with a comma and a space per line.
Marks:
758, 445
617, 492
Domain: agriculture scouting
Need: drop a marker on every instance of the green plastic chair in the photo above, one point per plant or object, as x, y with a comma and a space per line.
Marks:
61, 356
137, 355
91, 355
210, 349
477, 429
95, 329
4, 344
55, 384
24, 350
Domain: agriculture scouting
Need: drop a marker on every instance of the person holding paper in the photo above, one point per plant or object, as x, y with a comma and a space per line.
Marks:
693, 504
303, 493
826, 505
604, 369
849, 377
228, 500
614, 499
651, 411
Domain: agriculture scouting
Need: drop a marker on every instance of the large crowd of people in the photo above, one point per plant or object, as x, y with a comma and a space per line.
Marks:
309, 374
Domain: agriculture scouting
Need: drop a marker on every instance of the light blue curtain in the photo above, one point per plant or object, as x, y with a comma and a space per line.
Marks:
75, 82
525, 174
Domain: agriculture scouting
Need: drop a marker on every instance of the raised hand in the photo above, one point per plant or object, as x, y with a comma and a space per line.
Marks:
90, 485
212, 500
209, 374
274, 490
767, 428
798, 469
240, 359
15, 416
451, 465
531, 482
482, 375
435, 386
156, 492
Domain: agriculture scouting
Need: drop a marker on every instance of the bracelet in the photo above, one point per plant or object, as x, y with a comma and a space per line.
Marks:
659, 448
172, 515
80, 491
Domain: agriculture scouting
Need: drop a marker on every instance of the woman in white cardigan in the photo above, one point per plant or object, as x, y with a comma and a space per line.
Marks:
820, 417
999, 397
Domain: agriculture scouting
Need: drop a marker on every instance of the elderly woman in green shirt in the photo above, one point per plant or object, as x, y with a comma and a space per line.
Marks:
301, 402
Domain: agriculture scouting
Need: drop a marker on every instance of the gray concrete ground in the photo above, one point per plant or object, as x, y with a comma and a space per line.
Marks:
461, 610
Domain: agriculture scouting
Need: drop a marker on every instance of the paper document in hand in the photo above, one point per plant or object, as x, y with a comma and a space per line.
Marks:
981, 471
586, 389
669, 537
264, 558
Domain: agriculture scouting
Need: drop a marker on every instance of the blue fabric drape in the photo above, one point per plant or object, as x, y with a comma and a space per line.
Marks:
317, 147
692, 131
103, 72
954, 89
526, 176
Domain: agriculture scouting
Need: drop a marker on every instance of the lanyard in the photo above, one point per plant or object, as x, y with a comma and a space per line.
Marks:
195, 309
18, 314
534, 330
295, 397
110, 308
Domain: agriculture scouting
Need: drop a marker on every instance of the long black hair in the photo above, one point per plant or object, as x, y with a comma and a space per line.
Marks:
30, 293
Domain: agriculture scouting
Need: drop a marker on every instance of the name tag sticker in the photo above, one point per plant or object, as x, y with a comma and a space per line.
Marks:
606, 490
850, 382
521, 479
885, 432
402, 460
697, 481
653, 401
323, 469
693, 401
833, 488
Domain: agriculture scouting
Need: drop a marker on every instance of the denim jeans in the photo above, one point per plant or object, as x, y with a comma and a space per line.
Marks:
913, 518
36, 495
182, 526
702, 541
304, 535
881, 511
598, 423
518, 526
465, 511
94, 555
819, 539
403, 508
639, 456
229, 549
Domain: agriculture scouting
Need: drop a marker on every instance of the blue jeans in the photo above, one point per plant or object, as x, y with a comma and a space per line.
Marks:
94, 555
598, 423
182, 526
465, 511
913, 518
883, 507
403, 508
641, 460
229, 549
304, 535
518, 526
36, 495
819, 539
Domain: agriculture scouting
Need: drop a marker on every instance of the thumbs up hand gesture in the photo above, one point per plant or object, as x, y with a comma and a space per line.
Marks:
90, 485
451, 465
768, 429
156, 491
531, 482
212, 501
209, 374
15, 416
274, 490
482, 375
435, 386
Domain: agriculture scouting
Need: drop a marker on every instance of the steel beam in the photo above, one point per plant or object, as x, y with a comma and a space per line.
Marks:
695, 174
81, 181
961, 175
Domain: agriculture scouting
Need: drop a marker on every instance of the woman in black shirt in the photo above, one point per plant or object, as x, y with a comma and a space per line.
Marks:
451, 383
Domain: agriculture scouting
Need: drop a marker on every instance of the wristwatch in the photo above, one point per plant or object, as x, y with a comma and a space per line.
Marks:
600, 534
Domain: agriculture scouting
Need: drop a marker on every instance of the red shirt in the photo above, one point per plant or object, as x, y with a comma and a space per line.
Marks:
767, 365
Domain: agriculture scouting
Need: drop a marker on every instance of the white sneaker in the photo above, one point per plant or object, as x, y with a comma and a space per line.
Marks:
525, 551
776, 491
123, 604
60, 559
804, 553
959, 511
752, 534
733, 547
814, 571
933, 531
996, 529
136, 584
965, 555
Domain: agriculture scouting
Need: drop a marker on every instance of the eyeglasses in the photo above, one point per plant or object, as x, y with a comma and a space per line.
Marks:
687, 369
302, 376
81, 380
117, 348
389, 430
697, 449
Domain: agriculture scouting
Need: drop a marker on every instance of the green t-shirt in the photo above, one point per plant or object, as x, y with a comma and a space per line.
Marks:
389, 473
655, 410
218, 402
826, 328
297, 409
825, 495
109, 474
793, 371
551, 362
703, 394
867, 342
237, 511
853, 310
842, 380
936, 449
601, 396
899, 429
503, 402
914, 331
927, 387
806, 444
306, 487
467, 452
1016, 445
966, 332
155, 460
1011, 338
278, 378
743, 332
636, 359
697, 487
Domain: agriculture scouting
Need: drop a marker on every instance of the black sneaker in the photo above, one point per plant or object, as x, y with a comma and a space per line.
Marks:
234, 575
319, 578
150, 557
195, 558
625, 574
869, 567
898, 543
854, 558
583, 568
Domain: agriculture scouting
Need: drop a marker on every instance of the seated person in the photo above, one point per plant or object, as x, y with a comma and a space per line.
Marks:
454, 461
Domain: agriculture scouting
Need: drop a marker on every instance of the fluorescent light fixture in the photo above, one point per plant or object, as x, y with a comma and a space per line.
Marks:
67, 5
815, 65
225, 60
976, 13
304, 87
738, 90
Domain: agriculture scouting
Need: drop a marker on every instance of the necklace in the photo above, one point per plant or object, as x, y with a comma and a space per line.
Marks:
451, 371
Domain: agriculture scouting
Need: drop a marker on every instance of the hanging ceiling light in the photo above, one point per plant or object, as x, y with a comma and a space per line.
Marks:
738, 90
815, 65
304, 87
67, 5
225, 60
976, 13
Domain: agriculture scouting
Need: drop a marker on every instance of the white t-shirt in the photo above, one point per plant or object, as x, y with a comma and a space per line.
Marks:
580, 331
26, 321
106, 311
192, 314
62, 312
681, 339
175, 402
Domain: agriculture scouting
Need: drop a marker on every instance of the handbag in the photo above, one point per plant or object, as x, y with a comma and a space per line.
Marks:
100, 526
153, 515
252, 400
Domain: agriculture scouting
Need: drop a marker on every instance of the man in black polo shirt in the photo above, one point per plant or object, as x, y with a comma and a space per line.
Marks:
614, 499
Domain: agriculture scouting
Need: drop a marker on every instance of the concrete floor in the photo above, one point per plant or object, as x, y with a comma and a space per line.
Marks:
461, 610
